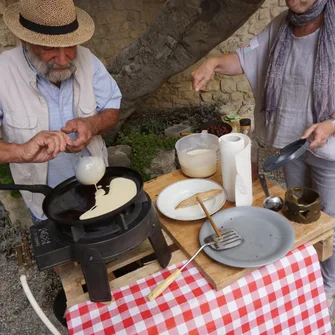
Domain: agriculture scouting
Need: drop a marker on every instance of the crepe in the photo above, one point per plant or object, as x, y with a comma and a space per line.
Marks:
121, 190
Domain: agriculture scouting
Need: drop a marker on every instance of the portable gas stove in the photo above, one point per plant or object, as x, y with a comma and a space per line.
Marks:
94, 245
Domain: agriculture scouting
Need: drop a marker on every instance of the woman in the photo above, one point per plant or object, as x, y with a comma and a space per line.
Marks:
290, 66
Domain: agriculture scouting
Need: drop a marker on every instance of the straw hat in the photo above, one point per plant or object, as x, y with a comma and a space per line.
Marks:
51, 23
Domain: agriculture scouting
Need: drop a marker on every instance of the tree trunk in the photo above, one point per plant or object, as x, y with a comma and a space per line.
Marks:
183, 32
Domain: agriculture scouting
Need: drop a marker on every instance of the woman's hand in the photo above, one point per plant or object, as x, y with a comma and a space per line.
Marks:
228, 65
203, 74
318, 133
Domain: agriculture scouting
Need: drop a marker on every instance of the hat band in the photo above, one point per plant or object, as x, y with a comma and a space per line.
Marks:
49, 30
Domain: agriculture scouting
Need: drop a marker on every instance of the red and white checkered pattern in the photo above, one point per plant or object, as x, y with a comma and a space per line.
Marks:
286, 297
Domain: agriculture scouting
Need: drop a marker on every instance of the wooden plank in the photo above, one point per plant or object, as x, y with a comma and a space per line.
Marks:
72, 276
324, 245
129, 278
185, 235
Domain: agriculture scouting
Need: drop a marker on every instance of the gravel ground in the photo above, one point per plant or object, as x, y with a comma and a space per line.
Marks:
17, 316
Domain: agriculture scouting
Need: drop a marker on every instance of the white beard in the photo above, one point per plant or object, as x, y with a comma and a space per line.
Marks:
45, 69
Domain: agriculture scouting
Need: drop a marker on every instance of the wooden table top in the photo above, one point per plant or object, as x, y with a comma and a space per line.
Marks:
185, 234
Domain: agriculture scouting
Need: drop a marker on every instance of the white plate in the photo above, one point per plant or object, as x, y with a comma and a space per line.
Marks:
173, 194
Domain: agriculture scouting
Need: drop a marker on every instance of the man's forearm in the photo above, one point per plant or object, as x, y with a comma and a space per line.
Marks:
104, 121
10, 153
228, 65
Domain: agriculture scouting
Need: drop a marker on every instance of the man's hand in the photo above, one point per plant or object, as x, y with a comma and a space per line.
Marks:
318, 134
90, 126
85, 129
44, 146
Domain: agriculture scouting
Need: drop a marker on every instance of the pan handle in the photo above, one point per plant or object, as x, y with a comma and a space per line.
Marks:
44, 189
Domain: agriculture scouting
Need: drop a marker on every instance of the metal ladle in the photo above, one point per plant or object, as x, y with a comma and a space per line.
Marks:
274, 203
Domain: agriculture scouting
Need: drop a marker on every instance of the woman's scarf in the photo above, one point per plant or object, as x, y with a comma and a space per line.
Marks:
324, 73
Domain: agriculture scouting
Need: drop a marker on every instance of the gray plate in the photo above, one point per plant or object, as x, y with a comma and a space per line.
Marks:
267, 235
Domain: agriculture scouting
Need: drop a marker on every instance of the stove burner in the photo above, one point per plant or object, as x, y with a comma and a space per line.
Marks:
93, 245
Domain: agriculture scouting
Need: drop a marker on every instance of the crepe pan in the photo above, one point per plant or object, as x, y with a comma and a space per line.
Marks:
66, 202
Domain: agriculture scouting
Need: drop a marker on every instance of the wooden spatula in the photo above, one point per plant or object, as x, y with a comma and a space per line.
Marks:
191, 201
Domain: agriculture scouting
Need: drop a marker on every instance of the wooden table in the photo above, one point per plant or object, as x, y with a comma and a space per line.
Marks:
186, 235
319, 233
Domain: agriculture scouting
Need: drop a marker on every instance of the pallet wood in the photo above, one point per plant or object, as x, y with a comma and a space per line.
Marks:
73, 280
324, 245
131, 277
72, 277
185, 235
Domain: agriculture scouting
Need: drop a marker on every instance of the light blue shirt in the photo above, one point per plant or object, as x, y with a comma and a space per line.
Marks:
60, 105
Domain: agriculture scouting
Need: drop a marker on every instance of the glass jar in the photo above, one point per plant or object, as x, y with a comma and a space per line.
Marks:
245, 126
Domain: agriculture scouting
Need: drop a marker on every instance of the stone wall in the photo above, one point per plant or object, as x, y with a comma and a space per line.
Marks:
119, 22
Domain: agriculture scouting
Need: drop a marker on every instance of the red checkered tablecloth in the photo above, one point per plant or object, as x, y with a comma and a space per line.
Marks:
286, 297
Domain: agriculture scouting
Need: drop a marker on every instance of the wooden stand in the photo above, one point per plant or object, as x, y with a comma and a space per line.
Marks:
74, 283
73, 280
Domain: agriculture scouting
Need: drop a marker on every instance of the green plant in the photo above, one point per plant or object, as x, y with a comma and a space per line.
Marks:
6, 178
145, 140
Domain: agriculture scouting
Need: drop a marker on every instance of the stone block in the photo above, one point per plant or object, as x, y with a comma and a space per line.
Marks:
228, 109
119, 159
275, 11
119, 4
191, 95
213, 85
133, 16
114, 16
246, 110
125, 149
164, 162
206, 96
134, 34
236, 96
243, 85
221, 97
228, 85
134, 5
264, 14
2, 6
183, 86
248, 99
257, 27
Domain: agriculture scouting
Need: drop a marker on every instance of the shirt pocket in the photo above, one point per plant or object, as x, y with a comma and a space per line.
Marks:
19, 128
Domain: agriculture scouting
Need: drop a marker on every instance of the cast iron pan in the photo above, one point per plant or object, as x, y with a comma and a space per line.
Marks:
67, 201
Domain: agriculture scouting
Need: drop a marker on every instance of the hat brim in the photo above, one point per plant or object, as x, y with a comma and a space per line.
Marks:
82, 34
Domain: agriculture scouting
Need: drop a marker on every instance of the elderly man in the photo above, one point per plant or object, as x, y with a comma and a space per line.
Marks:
291, 69
56, 97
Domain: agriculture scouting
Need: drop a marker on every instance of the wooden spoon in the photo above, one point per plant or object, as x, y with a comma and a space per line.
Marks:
216, 229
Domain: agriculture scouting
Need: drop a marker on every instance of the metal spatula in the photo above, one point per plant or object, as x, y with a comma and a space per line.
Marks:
228, 240
223, 239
